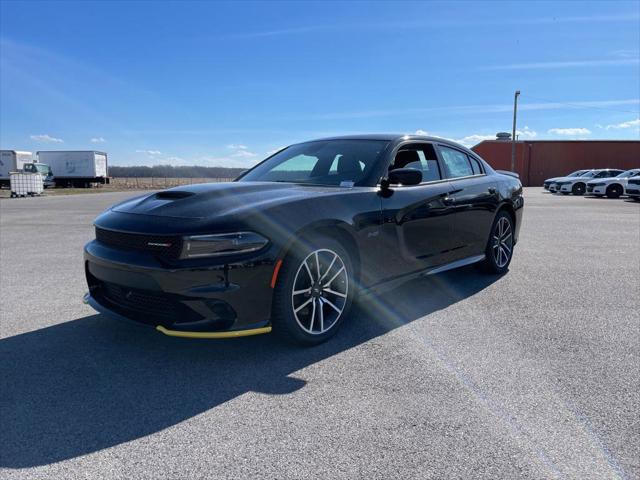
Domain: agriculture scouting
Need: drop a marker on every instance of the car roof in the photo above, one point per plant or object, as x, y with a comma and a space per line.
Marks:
394, 138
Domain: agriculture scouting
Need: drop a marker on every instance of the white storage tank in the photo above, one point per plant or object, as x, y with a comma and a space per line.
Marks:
26, 184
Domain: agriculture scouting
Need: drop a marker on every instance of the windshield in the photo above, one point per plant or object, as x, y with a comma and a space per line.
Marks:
42, 168
327, 162
589, 174
628, 173
577, 173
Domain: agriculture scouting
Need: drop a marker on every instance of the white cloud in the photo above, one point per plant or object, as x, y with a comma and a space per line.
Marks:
629, 124
98, 140
526, 132
564, 64
243, 154
422, 132
271, 152
151, 153
46, 139
569, 131
471, 140
477, 109
235, 146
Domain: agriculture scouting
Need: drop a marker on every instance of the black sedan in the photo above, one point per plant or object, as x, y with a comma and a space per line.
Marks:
289, 244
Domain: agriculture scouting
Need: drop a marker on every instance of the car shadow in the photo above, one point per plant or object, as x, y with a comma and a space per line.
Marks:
92, 383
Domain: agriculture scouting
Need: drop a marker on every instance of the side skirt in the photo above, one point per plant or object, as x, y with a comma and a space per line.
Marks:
463, 262
394, 282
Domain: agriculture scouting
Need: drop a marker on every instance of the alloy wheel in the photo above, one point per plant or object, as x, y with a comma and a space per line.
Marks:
320, 291
502, 242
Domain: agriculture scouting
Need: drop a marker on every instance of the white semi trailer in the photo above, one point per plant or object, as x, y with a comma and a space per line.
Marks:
12, 161
76, 168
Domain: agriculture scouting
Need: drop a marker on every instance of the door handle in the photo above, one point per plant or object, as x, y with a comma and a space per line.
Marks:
492, 190
447, 201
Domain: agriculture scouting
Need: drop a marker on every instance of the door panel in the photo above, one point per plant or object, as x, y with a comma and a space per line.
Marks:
474, 201
417, 228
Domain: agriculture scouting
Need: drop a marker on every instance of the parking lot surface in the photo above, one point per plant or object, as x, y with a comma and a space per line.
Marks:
535, 374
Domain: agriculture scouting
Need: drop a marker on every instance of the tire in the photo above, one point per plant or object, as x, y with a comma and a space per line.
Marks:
499, 244
309, 312
614, 191
579, 189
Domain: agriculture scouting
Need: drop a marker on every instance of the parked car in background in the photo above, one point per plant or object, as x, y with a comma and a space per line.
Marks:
632, 190
287, 244
547, 183
611, 187
554, 187
578, 185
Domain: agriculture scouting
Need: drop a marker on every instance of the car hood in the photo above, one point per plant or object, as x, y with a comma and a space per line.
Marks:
217, 199
569, 179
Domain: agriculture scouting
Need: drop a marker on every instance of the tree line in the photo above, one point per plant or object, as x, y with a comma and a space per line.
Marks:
171, 171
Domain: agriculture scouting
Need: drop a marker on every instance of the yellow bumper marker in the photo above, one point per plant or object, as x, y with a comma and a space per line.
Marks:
231, 334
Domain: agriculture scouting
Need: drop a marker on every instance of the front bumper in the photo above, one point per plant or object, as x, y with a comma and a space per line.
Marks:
632, 191
600, 190
565, 188
206, 301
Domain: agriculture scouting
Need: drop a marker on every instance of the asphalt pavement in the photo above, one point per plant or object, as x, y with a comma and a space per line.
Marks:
535, 374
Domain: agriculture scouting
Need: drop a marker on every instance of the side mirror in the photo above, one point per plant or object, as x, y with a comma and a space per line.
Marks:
405, 176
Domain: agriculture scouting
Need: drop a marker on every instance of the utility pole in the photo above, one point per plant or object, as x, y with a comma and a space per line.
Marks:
513, 134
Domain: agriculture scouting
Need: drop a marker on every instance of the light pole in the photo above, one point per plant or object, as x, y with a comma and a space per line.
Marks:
513, 134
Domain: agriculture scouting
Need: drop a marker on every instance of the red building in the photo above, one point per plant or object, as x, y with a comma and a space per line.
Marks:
537, 160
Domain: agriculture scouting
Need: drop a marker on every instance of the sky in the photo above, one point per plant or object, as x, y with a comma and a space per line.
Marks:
224, 84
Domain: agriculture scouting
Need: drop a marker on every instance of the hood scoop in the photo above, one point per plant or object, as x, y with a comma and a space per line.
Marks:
173, 195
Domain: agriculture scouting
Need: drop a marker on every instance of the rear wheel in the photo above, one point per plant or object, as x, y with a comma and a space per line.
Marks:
499, 249
314, 291
614, 191
578, 189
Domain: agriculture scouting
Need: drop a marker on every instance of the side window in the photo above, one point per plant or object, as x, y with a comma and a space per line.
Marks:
421, 157
475, 166
456, 163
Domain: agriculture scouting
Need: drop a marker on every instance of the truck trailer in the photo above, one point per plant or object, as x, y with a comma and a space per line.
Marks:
76, 168
12, 161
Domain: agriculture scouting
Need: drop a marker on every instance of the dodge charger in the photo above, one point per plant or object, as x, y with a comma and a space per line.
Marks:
289, 244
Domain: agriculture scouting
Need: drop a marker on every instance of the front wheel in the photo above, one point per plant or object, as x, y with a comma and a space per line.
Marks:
499, 249
578, 189
614, 191
314, 291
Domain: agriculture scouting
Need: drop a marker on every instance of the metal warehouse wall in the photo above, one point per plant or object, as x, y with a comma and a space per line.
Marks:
538, 160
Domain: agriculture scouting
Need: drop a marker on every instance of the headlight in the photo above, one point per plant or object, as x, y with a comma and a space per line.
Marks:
559, 184
222, 244
601, 184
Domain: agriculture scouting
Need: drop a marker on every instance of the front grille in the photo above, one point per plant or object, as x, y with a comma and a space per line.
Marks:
144, 305
589, 188
161, 245
632, 191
